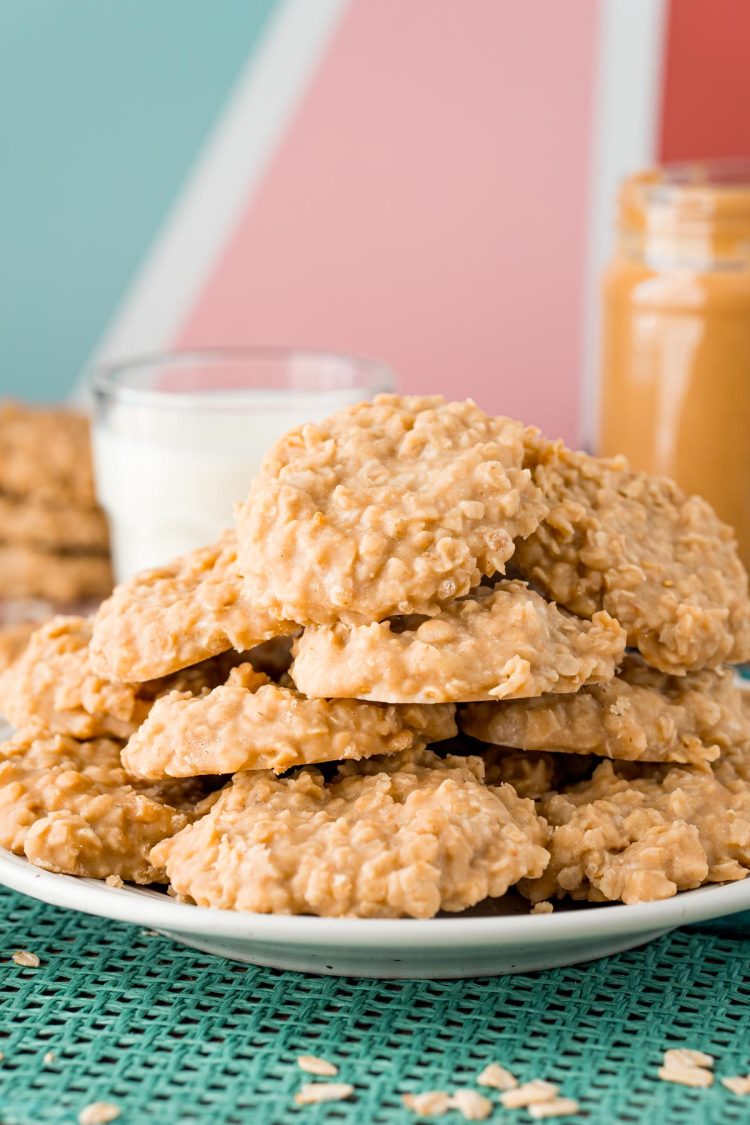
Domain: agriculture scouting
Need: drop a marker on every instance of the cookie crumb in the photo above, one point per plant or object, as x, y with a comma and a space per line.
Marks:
49, 1058
558, 1107
545, 907
531, 1093
114, 881
313, 1092
26, 959
433, 1103
739, 1084
312, 1064
686, 1075
686, 1056
687, 1067
497, 1076
471, 1105
98, 1113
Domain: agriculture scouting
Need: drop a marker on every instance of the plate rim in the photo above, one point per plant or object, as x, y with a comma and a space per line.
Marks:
143, 907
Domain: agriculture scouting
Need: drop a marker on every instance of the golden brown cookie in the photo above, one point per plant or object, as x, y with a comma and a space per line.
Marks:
251, 724
634, 545
389, 507
640, 715
52, 687
49, 527
26, 572
407, 835
178, 615
46, 453
71, 807
638, 833
501, 642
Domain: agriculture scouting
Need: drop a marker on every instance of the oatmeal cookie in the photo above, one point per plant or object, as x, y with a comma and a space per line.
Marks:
637, 833
26, 572
407, 835
662, 563
641, 715
177, 615
51, 527
46, 453
501, 642
52, 686
250, 724
70, 807
393, 506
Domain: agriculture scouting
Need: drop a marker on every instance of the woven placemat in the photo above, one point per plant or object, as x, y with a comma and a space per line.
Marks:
173, 1036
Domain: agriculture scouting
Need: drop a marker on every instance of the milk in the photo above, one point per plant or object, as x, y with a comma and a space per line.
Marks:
169, 471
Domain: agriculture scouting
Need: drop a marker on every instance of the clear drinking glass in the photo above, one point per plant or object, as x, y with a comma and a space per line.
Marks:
178, 437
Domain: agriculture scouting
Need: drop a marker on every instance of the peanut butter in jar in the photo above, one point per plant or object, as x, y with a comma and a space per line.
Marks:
675, 396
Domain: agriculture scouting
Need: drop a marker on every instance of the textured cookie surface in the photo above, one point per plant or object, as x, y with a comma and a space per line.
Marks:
53, 527
70, 807
398, 836
638, 833
501, 642
640, 715
178, 615
389, 507
28, 572
52, 687
46, 453
250, 724
662, 563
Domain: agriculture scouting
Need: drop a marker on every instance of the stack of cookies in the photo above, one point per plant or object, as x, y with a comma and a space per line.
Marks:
54, 545
438, 657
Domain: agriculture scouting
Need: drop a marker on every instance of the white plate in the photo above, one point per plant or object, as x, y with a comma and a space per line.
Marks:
478, 944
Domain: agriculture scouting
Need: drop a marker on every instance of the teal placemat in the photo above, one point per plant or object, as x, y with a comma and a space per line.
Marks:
175, 1036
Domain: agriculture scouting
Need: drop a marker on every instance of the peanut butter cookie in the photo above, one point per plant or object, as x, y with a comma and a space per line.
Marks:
46, 453
662, 563
52, 686
53, 528
389, 507
27, 572
178, 615
407, 835
250, 724
501, 642
637, 833
641, 715
71, 807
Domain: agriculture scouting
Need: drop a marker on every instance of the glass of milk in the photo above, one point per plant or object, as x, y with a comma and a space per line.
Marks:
178, 437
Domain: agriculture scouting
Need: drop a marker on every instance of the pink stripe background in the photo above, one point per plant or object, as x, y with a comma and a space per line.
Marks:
428, 206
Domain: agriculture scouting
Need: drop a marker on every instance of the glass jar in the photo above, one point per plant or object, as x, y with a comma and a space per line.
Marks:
675, 393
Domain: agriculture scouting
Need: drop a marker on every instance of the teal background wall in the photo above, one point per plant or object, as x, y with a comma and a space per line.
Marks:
103, 108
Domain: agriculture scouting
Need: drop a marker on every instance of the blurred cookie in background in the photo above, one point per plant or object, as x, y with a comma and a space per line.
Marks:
54, 539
